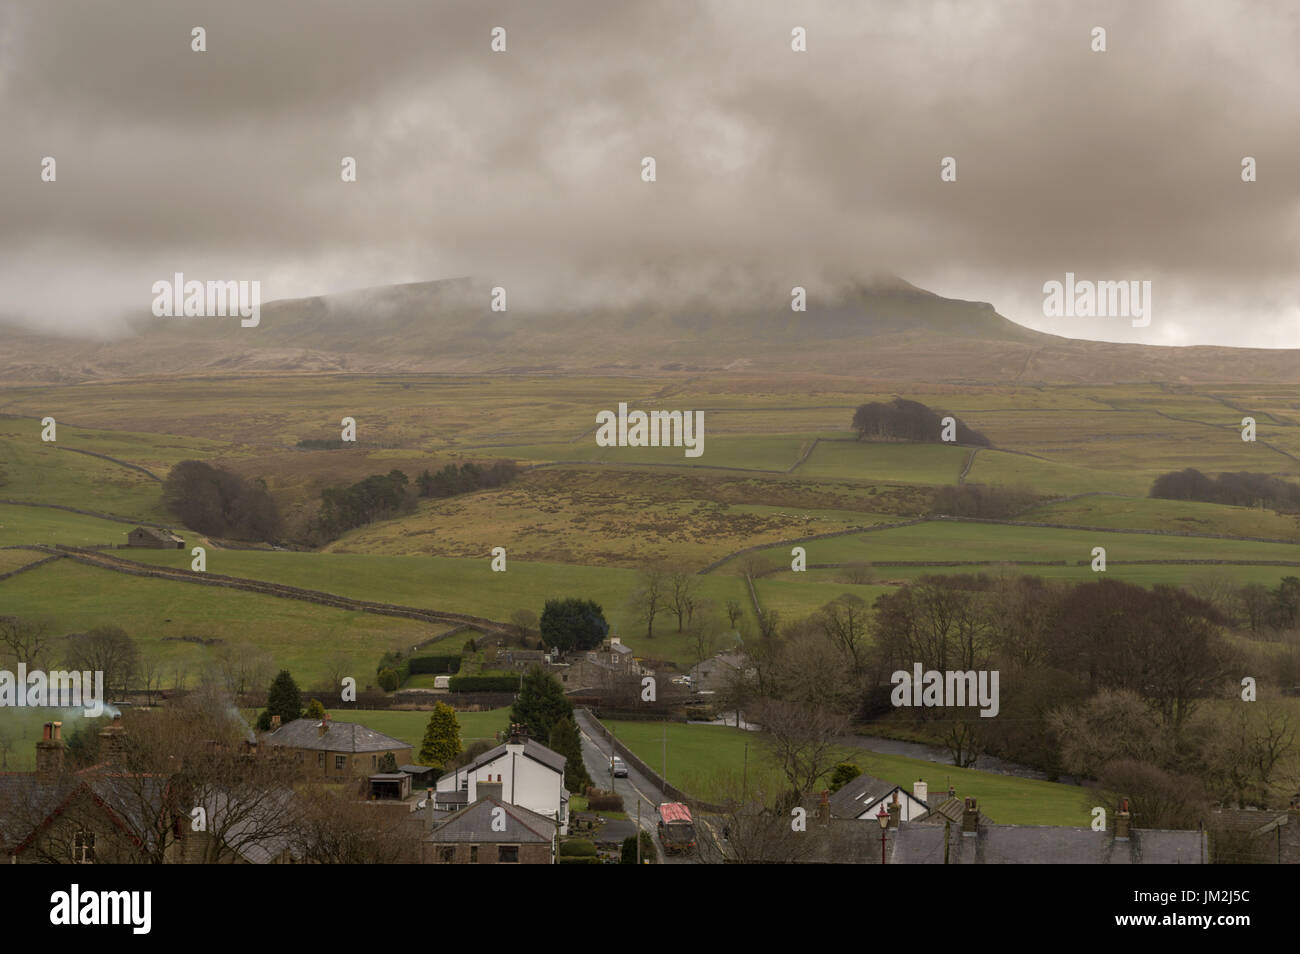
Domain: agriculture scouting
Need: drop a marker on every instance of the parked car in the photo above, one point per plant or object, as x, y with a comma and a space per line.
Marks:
620, 768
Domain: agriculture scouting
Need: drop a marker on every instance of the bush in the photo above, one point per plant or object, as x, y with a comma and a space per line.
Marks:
388, 680
483, 683
844, 773
599, 801
578, 860
577, 847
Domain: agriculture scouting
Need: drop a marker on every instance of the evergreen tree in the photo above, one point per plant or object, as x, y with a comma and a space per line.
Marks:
572, 624
540, 703
441, 736
284, 699
564, 740
314, 710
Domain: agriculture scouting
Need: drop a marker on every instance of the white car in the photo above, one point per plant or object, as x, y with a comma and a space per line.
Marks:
619, 768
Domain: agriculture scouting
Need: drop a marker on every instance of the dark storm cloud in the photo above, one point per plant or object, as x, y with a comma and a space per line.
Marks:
773, 166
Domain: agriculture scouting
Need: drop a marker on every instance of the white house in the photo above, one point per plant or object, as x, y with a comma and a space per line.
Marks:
523, 772
864, 796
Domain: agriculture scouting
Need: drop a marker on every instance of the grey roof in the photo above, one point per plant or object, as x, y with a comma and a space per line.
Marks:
341, 737
158, 534
474, 824
1043, 844
533, 750
951, 809
415, 769
855, 796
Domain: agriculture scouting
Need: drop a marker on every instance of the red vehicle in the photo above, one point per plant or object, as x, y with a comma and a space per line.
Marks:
676, 827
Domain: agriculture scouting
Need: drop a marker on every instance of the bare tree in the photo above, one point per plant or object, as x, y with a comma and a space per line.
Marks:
650, 596
845, 622
151, 676
25, 640
106, 649
803, 740
683, 592
735, 610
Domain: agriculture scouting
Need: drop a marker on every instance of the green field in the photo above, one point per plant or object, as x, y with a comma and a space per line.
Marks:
706, 760
299, 636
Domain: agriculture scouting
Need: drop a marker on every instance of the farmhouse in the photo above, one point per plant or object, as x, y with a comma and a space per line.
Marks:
526, 773
154, 538
336, 749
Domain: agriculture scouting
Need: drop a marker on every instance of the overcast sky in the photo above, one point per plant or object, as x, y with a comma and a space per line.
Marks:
524, 167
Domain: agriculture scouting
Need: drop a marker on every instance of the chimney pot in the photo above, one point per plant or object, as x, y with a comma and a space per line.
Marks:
1123, 821
970, 818
895, 812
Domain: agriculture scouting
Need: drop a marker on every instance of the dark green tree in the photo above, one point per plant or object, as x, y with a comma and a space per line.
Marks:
284, 699
564, 740
441, 736
388, 680
572, 624
314, 710
540, 703
844, 773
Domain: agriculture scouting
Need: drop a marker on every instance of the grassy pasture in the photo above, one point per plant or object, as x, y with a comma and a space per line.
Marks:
707, 760
886, 462
994, 543
463, 586
1188, 516
301, 637
27, 525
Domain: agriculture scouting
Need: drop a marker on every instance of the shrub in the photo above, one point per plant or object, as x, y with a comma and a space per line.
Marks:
844, 773
388, 680
600, 801
577, 847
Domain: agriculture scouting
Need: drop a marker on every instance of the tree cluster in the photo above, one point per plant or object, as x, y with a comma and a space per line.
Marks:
1240, 489
906, 420
452, 480
218, 502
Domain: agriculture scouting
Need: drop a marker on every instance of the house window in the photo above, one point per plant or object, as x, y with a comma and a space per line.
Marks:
374, 761
446, 855
320, 759
508, 854
340, 762
299, 754
83, 847
473, 853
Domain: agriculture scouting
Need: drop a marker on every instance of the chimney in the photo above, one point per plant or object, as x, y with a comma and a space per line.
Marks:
110, 741
1122, 821
275, 722
324, 725
518, 734
970, 819
921, 791
493, 789
49, 752
824, 806
895, 811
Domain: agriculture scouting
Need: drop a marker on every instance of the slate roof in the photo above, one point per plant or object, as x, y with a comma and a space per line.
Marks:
533, 750
951, 809
341, 737
473, 824
854, 797
1043, 844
